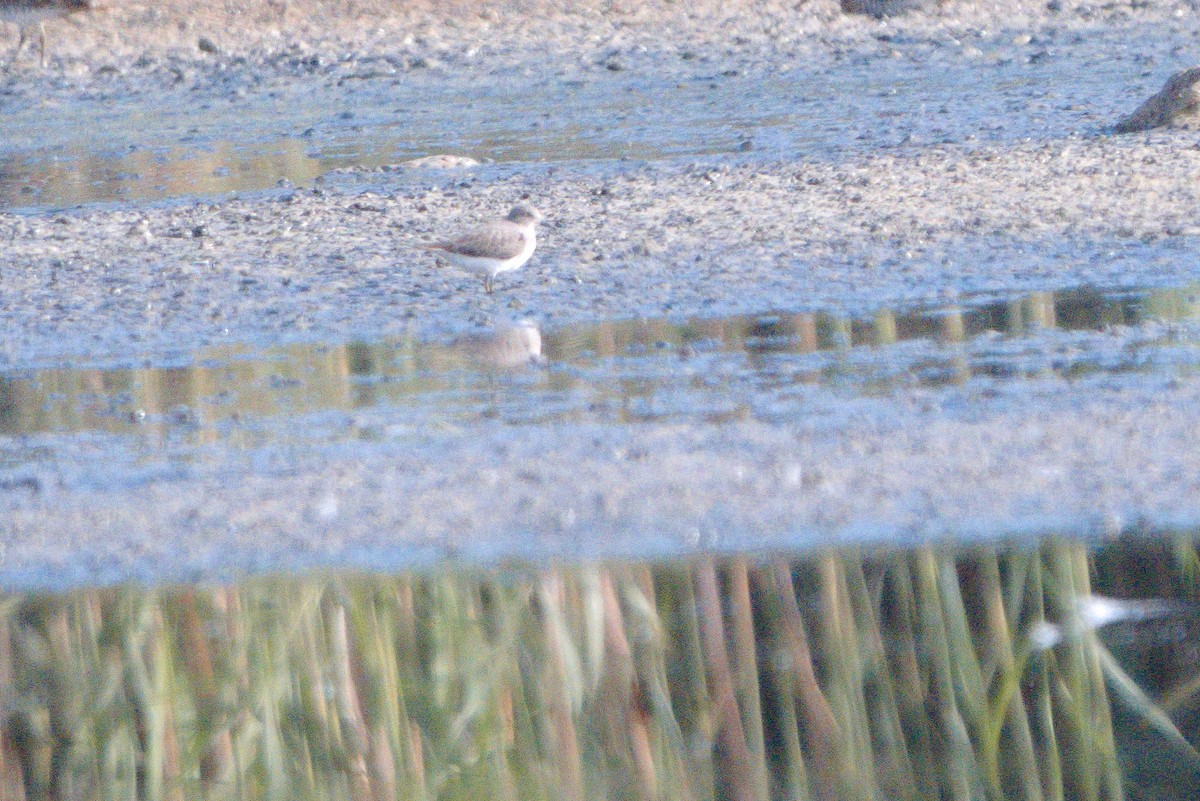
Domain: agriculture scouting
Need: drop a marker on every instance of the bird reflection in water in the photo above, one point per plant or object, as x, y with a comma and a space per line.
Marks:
508, 346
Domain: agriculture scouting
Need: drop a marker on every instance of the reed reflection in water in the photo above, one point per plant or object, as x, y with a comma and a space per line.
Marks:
621, 371
230, 385
906, 675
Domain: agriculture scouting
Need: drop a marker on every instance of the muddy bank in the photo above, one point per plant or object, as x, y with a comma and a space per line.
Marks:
131, 36
885, 207
1009, 180
1090, 458
706, 238
132, 110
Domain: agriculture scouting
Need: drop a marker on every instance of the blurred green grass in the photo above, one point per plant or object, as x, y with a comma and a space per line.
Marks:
925, 674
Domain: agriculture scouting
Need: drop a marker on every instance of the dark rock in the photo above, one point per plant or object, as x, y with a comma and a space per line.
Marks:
884, 8
1175, 105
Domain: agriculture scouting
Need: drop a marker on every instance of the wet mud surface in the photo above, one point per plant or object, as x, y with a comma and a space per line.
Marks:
802, 279
370, 113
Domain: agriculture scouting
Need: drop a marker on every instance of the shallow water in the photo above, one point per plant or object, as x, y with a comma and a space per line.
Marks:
764, 367
239, 135
1048, 670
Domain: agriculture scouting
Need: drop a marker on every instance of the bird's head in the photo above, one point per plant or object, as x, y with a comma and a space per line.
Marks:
523, 213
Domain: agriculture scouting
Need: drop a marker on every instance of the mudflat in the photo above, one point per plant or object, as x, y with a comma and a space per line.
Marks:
693, 161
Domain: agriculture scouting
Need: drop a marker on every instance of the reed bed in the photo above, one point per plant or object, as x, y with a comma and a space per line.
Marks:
924, 674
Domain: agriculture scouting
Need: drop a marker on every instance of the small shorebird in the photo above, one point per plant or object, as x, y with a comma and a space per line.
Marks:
25, 14
494, 248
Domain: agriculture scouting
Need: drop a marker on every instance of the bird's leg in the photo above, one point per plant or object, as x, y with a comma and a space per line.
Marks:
20, 44
42, 32
487, 283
